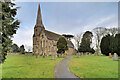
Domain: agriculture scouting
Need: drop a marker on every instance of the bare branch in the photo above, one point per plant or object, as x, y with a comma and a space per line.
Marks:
77, 39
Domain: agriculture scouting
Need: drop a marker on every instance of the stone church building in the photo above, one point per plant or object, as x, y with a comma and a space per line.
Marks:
44, 41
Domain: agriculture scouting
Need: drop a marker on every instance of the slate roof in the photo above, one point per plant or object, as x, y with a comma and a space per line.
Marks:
70, 44
54, 36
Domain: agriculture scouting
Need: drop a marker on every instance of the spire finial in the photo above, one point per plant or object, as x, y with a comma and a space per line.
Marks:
39, 17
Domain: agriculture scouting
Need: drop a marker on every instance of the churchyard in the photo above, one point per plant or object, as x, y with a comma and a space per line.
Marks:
94, 66
84, 66
24, 66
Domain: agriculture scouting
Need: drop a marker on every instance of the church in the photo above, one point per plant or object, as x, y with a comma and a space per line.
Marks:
44, 41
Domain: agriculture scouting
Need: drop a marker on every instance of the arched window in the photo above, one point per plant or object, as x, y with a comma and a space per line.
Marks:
41, 45
44, 44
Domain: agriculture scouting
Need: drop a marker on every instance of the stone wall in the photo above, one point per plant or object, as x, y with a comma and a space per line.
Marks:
70, 51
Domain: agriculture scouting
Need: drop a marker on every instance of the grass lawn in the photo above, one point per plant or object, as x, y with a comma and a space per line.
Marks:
0, 71
94, 67
21, 66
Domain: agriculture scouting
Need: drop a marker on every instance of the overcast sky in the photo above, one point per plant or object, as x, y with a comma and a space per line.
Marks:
64, 17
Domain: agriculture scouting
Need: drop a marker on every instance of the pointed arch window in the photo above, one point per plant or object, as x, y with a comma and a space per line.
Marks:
44, 44
41, 45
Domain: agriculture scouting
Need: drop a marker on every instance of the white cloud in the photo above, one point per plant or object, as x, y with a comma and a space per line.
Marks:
24, 36
102, 22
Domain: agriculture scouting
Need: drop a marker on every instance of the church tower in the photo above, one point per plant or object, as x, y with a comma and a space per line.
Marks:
38, 29
39, 25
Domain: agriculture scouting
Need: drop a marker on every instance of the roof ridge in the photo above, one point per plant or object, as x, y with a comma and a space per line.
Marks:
53, 32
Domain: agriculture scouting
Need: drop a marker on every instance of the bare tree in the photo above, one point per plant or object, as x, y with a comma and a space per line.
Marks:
99, 33
77, 39
29, 48
113, 31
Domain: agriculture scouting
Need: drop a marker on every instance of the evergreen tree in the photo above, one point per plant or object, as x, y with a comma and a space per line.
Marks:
9, 48
86, 42
68, 37
105, 45
117, 37
15, 48
109, 44
8, 28
62, 45
113, 44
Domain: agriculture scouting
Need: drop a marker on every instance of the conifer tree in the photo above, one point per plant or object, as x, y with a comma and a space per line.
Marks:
62, 45
8, 28
110, 44
86, 42
22, 49
117, 37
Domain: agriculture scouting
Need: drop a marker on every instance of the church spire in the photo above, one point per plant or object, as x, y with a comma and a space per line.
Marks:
39, 18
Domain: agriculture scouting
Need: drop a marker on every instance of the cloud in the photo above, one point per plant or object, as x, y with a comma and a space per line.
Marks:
105, 21
24, 36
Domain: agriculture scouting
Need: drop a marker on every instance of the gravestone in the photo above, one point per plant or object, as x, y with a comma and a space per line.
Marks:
95, 54
77, 54
37, 55
89, 53
115, 57
81, 53
86, 53
54, 56
110, 56
43, 55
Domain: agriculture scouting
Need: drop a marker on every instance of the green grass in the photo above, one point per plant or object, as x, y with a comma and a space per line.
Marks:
21, 66
94, 67
0, 71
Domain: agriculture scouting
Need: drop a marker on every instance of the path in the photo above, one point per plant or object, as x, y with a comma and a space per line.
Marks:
62, 69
